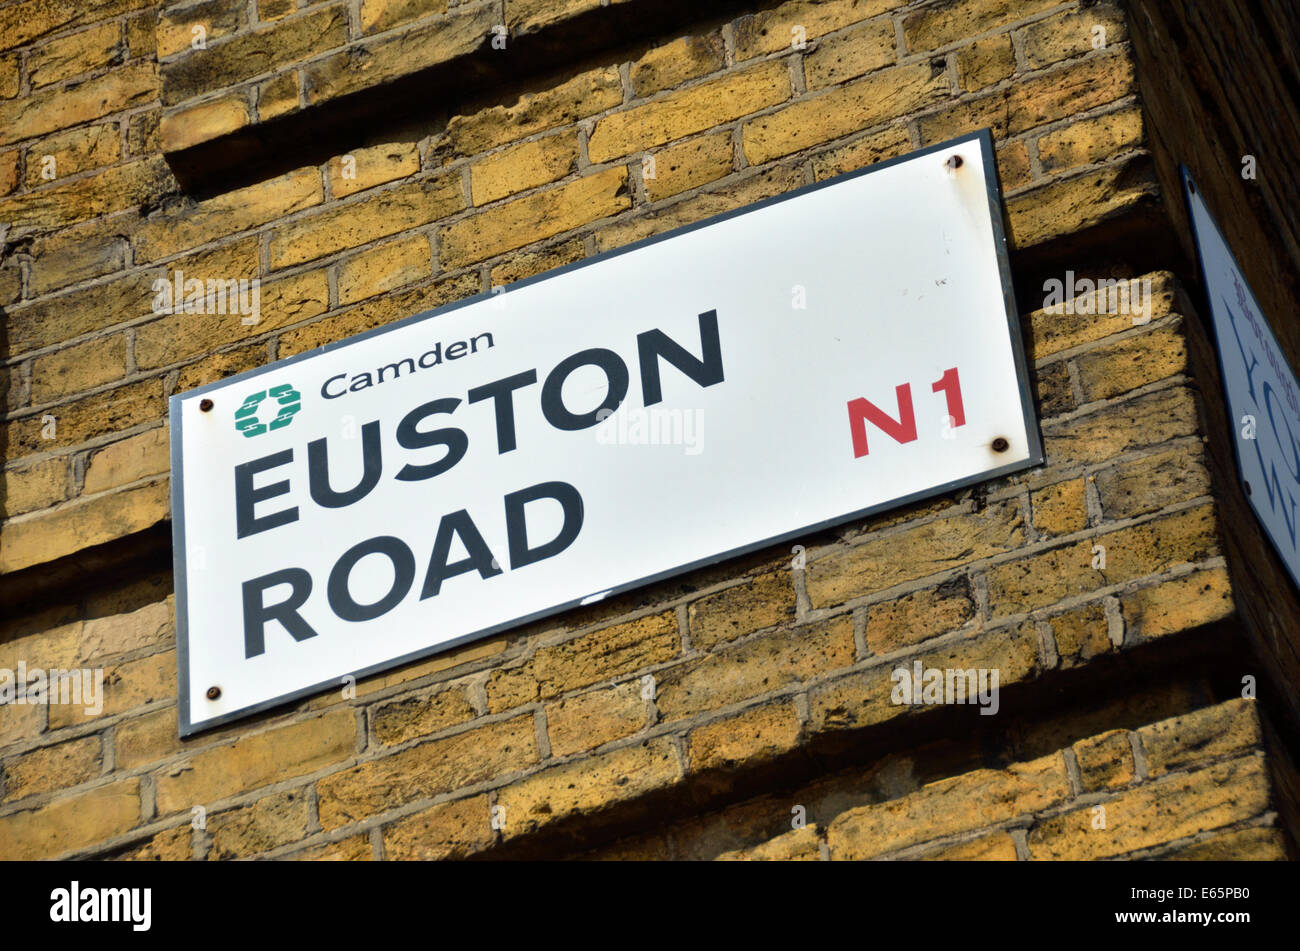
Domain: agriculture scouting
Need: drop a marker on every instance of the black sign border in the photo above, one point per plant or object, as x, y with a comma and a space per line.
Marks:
994, 194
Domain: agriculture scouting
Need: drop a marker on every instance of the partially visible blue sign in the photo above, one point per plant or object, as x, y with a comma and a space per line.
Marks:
1262, 391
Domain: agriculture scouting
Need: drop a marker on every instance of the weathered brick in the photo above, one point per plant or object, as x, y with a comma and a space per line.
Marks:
994, 847
1072, 33
868, 150
687, 165
192, 125
250, 53
526, 264
927, 549
72, 255
762, 602
1095, 318
1152, 482
543, 214
522, 167
78, 367
858, 105
1105, 761
277, 96
147, 627
259, 827
1157, 812
53, 767
257, 760
1186, 602
586, 785
52, 109
685, 58
128, 460
365, 168
378, 15
113, 189
610, 652
755, 667
75, 54
170, 845
687, 111
797, 845
215, 18
346, 226
384, 268
911, 619
1243, 845
985, 62
596, 717
355, 848
780, 28
1139, 423
1085, 141
72, 823
46, 536
449, 830
1060, 509
426, 770
397, 721
850, 55
127, 685
1081, 634
1152, 547
944, 23
1080, 202
947, 807
1132, 362
745, 739
865, 698
35, 486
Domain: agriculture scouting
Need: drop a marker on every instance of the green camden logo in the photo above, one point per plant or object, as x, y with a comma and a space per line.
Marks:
249, 422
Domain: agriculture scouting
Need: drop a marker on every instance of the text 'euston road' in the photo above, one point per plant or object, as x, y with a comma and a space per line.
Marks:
256, 514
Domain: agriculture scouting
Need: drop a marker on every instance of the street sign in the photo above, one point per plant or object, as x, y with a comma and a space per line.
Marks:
730, 385
1262, 391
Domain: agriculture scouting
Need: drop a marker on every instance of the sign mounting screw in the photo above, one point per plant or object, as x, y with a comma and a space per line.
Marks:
205, 405
214, 693
953, 163
1001, 445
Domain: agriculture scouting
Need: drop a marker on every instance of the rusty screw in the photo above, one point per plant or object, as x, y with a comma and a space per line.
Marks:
214, 693
205, 404
1001, 445
953, 163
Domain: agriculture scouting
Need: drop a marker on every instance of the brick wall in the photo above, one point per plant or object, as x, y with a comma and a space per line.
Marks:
688, 698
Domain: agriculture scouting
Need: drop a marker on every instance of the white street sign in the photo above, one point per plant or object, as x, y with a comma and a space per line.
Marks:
730, 385
1262, 391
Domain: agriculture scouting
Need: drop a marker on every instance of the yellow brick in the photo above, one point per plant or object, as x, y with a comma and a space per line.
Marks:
77, 368
914, 553
608, 653
257, 760
688, 57
679, 114
73, 823
529, 263
1156, 813
191, 126
1060, 509
1096, 319
259, 827
170, 845
1073, 33
1080, 202
74, 55
958, 804
939, 25
426, 770
111, 190
1105, 761
278, 96
1152, 482
1091, 140
1133, 362
365, 168
384, 268
755, 667
798, 845
377, 15
584, 95
744, 740
994, 847
52, 109
449, 830
1148, 420
765, 601
354, 848
780, 28
146, 627
397, 721
916, 617
73, 152
1082, 634
1149, 548
128, 460
176, 33
45, 537
8, 76
985, 62
346, 226
1178, 605
1244, 845
533, 217
522, 167
581, 786
231, 212
35, 486
850, 55
679, 168
868, 150
53, 767
858, 105
596, 717
127, 685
